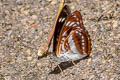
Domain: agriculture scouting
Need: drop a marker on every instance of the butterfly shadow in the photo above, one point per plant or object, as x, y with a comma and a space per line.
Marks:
65, 65
62, 65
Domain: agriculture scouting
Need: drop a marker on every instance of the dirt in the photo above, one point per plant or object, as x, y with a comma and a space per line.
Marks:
25, 25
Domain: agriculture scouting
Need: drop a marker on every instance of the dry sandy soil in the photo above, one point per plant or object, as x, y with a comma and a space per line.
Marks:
25, 25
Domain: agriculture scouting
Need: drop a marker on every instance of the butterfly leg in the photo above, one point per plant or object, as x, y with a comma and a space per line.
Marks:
73, 62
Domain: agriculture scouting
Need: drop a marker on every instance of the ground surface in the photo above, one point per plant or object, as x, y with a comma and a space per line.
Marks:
25, 25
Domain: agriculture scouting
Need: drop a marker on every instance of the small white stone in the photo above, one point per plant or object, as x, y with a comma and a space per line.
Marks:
40, 52
29, 52
39, 64
115, 24
34, 17
72, 7
8, 78
29, 58
54, 2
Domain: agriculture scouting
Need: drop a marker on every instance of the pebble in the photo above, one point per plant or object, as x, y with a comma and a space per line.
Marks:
49, 0
40, 52
41, 33
29, 58
8, 78
115, 24
34, 17
72, 7
53, 2
89, 61
18, 59
39, 64
29, 52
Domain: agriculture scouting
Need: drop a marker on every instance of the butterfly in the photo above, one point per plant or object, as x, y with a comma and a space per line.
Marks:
71, 40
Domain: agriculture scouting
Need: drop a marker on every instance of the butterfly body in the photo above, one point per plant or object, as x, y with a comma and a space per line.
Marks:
71, 39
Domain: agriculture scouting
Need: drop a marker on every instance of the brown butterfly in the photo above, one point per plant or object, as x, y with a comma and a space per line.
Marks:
71, 40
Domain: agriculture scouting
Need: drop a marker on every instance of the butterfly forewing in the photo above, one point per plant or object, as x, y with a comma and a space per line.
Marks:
75, 20
61, 20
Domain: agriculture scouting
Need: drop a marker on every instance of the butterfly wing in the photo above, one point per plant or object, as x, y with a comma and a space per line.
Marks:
74, 41
61, 20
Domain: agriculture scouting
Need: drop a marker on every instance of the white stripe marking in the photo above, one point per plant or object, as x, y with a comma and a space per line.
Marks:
74, 16
77, 23
64, 33
80, 22
80, 29
63, 19
83, 47
60, 19
80, 34
82, 37
63, 38
71, 23
74, 25
82, 44
77, 19
83, 40
68, 23
76, 31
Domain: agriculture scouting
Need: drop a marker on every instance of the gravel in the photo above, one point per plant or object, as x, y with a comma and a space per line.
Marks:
25, 25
